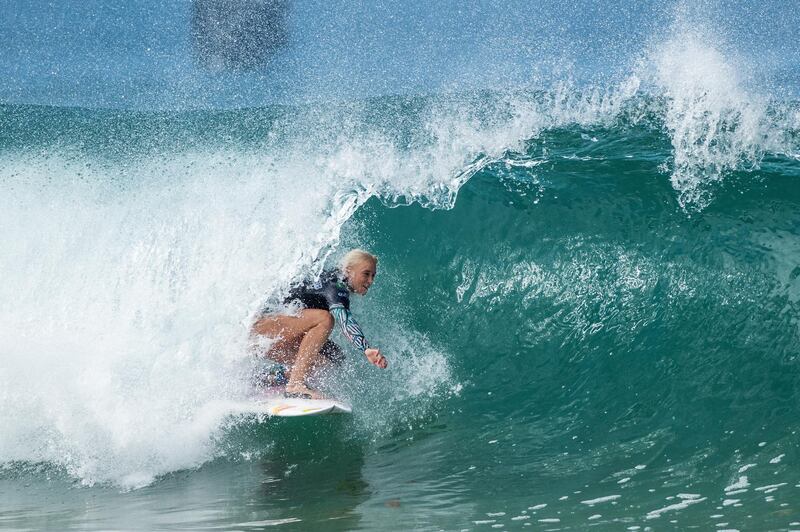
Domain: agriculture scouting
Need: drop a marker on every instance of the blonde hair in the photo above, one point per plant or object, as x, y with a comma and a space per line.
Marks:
356, 255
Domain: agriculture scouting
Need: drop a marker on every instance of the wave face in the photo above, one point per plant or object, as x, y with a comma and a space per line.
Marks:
609, 344
588, 293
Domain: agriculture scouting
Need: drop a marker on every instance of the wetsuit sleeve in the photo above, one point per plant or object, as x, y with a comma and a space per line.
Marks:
336, 295
350, 327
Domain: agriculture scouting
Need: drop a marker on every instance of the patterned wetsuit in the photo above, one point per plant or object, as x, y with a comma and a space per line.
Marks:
330, 293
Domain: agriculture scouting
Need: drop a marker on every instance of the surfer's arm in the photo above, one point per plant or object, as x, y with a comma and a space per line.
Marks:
350, 328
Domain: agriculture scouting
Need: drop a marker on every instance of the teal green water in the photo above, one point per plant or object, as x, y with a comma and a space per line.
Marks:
590, 320
610, 343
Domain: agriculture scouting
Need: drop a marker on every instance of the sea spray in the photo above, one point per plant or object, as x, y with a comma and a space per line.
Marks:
715, 123
131, 276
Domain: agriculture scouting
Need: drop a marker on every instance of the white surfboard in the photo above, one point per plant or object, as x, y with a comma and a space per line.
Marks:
277, 405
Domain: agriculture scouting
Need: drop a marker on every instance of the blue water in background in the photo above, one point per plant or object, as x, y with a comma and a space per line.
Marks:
144, 56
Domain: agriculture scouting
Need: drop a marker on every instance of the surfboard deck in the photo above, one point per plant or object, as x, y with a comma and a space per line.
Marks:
278, 405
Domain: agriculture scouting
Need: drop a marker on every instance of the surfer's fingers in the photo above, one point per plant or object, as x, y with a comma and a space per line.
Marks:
375, 357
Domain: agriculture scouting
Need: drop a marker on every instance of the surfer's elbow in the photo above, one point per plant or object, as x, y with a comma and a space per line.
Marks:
328, 321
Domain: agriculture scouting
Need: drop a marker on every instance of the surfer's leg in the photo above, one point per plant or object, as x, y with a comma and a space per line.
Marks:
304, 335
309, 351
286, 333
330, 357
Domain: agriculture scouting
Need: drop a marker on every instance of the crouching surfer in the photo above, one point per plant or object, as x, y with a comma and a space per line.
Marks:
301, 339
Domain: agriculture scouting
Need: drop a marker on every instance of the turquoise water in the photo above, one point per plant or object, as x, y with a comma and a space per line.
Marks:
562, 331
588, 293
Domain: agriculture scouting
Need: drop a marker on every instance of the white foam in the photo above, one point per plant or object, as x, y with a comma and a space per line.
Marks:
654, 514
129, 284
771, 487
715, 122
268, 522
129, 287
592, 502
741, 483
736, 492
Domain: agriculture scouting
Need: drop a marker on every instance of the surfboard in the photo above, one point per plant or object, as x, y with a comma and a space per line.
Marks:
277, 405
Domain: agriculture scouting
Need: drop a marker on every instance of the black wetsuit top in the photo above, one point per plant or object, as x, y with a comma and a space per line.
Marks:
328, 292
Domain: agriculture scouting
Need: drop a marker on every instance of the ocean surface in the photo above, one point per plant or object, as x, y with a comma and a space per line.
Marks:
588, 284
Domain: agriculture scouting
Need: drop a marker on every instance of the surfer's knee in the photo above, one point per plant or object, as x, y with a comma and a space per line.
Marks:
264, 326
321, 318
327, 321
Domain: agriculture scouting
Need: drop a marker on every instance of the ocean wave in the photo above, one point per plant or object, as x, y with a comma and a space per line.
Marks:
137, 246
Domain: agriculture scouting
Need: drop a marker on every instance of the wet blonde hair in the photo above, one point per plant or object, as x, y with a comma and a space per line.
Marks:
356, 255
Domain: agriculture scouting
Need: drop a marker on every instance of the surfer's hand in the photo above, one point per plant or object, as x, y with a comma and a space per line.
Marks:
375, 356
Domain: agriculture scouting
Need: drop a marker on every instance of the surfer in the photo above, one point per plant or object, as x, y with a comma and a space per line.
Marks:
301, 339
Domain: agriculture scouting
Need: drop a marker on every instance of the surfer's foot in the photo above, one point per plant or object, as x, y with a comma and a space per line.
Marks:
302, 391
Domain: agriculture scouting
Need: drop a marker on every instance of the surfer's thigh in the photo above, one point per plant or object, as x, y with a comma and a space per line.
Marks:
291, 329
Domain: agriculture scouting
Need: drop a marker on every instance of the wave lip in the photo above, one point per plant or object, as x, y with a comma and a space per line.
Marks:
718, 118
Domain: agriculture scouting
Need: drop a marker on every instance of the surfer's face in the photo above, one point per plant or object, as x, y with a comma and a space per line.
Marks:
360, 276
